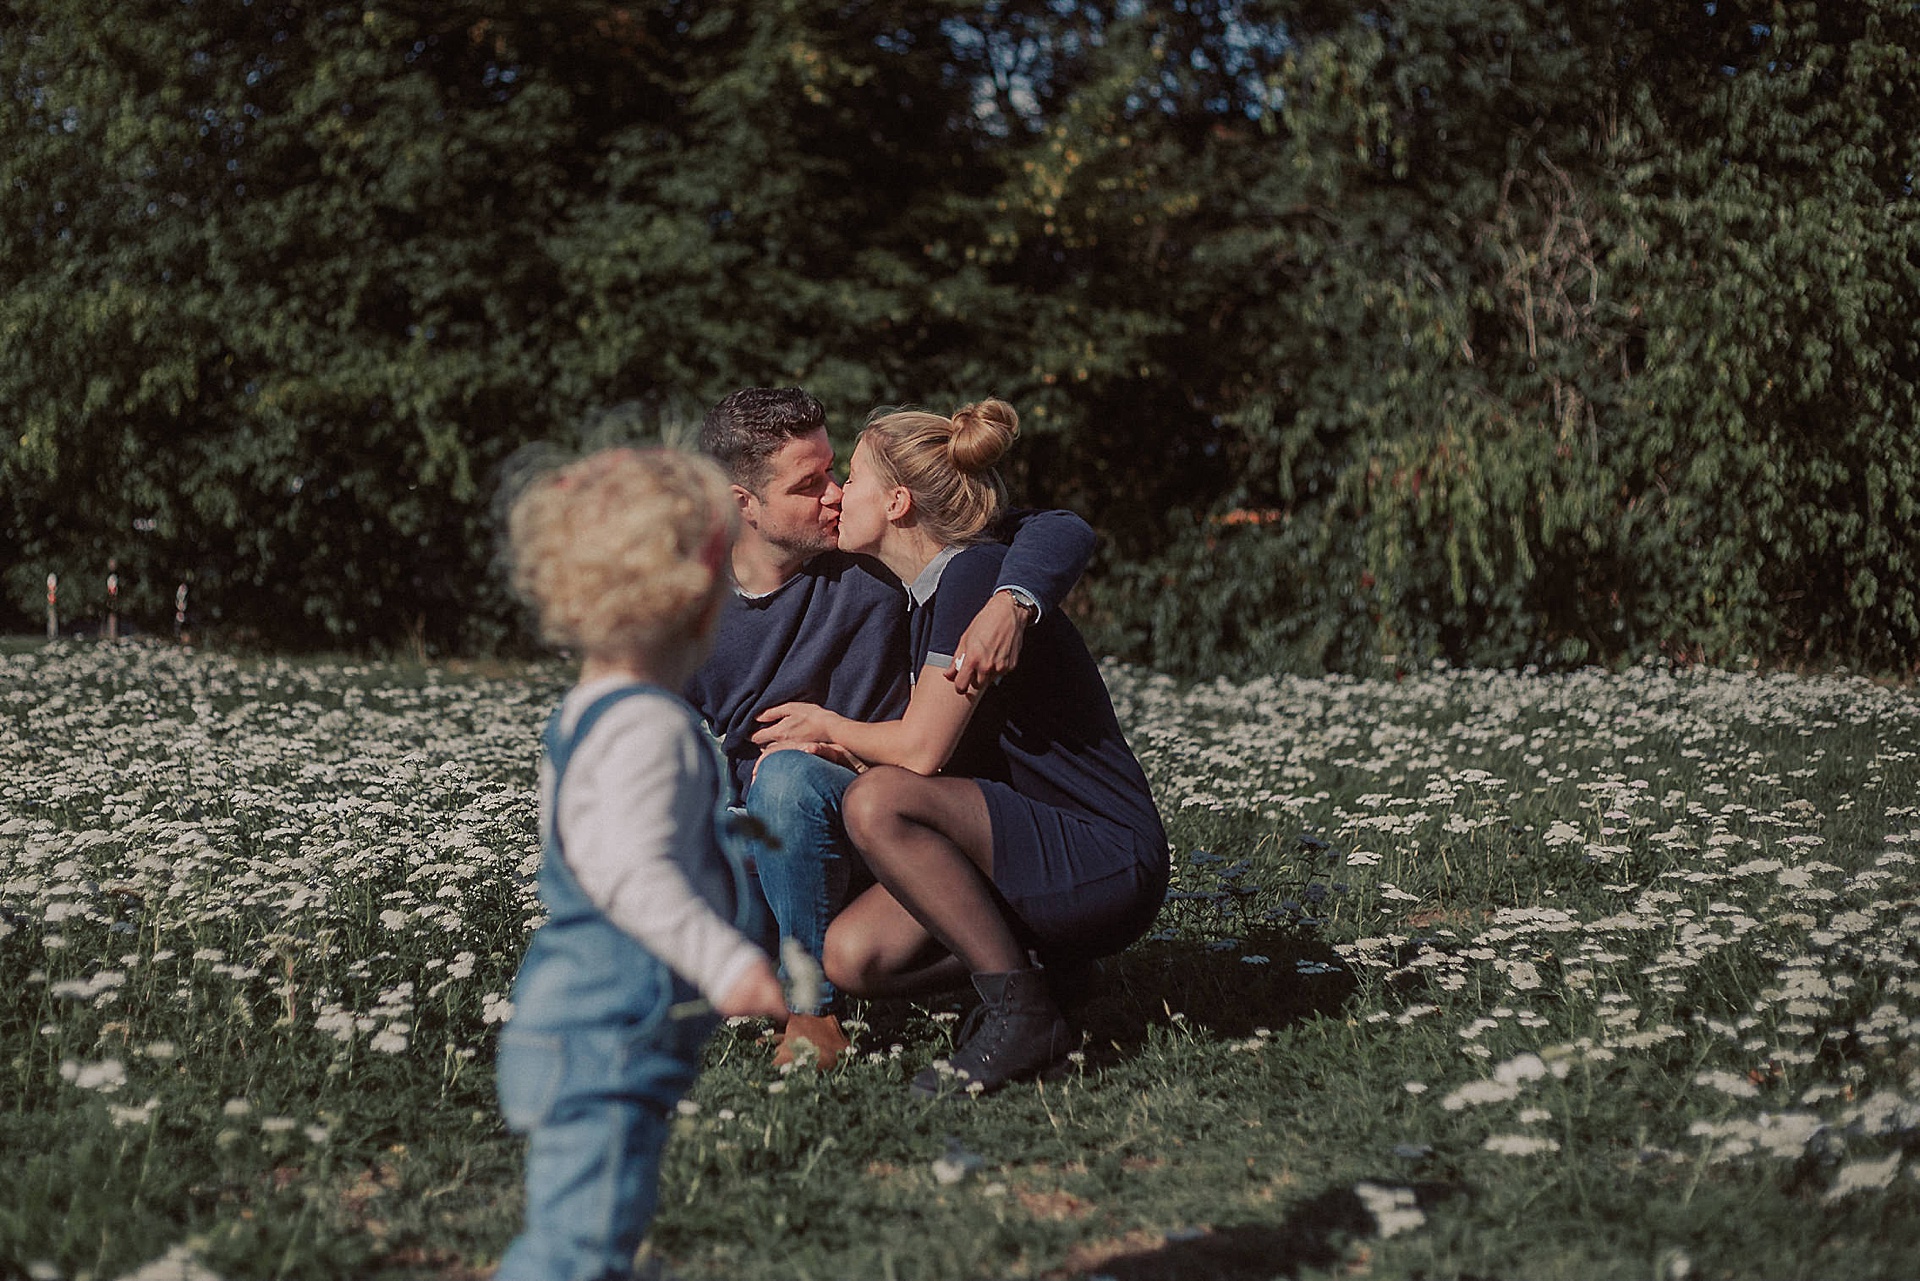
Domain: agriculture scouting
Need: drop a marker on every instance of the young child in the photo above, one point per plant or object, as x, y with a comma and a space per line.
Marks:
624, 554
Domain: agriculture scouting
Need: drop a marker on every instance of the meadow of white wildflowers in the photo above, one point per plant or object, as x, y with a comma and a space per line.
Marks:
1690, 890
257, 920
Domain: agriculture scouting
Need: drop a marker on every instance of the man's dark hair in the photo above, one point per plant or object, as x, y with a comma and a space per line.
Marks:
744, 431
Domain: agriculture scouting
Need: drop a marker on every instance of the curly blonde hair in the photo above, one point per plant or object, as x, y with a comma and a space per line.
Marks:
624, 550
947, 464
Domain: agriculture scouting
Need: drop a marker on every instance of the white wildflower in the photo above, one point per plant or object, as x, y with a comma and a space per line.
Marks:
1394, 1209
105, 1076
1519, 1144
956, 1164
1479, 1093
1560, 833
1527, 1067
180, 1263
1864, 1176
1522, 976
805, 981
1728, 1083
138, 1115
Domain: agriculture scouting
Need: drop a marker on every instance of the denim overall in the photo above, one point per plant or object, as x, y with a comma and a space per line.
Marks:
603, 1042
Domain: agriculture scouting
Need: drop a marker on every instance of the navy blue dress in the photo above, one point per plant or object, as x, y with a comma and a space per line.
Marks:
1079, 853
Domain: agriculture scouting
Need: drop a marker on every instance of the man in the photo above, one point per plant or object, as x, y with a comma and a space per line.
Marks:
809, 623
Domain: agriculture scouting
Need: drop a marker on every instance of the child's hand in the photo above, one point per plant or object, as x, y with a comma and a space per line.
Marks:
755, 992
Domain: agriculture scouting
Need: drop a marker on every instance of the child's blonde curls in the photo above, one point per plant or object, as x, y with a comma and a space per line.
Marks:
624, 550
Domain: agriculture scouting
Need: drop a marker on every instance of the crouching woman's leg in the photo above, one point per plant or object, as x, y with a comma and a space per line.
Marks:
929, 843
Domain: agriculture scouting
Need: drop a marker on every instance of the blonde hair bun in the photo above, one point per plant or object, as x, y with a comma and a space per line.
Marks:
946, 463
982, 434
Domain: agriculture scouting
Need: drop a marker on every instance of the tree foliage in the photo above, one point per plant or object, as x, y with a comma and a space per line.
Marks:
1568, 333
1499, 330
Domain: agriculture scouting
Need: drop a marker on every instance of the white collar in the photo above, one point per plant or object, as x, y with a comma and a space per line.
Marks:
922, 588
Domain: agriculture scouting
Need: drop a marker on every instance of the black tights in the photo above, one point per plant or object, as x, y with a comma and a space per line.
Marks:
933, 915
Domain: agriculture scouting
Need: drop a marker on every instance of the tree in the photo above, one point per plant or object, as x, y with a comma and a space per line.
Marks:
1499, 330
274, 276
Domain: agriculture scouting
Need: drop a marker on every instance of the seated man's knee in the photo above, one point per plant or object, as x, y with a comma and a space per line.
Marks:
793, 780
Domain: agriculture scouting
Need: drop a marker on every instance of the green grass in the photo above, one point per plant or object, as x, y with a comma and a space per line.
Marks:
1588, 975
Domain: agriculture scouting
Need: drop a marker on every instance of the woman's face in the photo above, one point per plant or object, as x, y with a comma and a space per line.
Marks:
863, 504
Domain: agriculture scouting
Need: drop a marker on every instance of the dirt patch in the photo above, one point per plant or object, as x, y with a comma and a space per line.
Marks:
1055, 1204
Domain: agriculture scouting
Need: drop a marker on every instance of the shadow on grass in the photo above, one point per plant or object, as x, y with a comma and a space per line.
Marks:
1231, 991
1318, 1235
1215, 990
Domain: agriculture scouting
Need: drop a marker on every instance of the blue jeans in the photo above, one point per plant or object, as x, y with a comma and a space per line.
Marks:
596, 1104
807, 864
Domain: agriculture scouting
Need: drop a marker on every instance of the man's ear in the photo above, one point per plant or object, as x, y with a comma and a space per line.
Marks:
744, 499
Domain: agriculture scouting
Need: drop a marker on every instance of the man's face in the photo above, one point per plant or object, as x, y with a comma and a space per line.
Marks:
798, 508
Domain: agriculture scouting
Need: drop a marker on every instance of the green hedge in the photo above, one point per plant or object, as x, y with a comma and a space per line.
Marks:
1495, 331
1585, 335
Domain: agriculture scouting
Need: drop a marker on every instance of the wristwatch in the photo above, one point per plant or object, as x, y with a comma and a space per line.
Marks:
1024, 599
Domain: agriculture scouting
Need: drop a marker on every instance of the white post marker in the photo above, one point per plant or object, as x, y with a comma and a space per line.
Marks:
53, 614
113, 600
180, 613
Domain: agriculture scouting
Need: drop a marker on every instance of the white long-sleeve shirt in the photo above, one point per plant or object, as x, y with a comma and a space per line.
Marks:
636, 829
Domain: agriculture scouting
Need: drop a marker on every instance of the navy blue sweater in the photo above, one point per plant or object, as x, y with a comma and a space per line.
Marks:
836, 634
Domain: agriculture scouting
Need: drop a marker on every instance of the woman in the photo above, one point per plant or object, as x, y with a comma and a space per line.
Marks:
1002, 825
